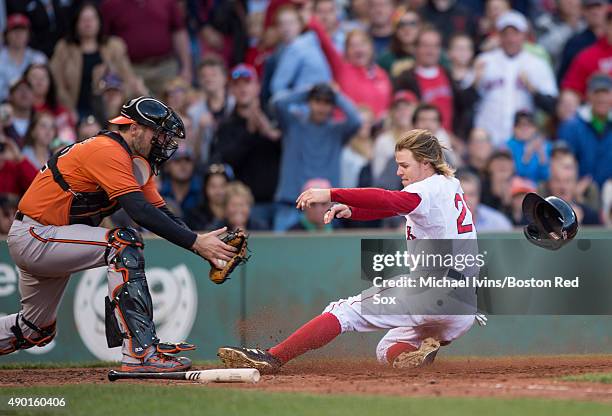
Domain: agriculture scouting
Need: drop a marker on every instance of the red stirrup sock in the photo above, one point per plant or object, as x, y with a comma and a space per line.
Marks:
398, 348
312, 335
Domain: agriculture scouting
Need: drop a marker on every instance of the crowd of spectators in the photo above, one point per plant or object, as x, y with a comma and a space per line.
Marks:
279, 96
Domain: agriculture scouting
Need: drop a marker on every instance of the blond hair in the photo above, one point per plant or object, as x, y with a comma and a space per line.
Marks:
356, 33
237, 188
425, 147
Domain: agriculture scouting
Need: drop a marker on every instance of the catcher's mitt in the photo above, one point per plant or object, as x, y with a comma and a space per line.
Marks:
236, 239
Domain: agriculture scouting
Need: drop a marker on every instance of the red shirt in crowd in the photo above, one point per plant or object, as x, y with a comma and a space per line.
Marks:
437, 90
16, 177
595, 58
145, 26
368, 86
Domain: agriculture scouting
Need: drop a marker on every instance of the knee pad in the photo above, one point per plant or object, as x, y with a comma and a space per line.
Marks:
120, 239
128, 257
42, 335
131, 300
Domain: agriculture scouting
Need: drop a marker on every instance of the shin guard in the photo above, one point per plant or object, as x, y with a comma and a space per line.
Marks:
130, 310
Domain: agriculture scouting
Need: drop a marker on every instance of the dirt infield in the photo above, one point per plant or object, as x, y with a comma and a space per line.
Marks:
459, 377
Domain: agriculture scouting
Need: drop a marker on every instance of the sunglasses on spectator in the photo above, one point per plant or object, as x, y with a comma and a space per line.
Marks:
216, 168
221, 169
403, 23
241, 73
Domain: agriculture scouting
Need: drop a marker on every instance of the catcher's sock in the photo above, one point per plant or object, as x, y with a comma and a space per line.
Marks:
312, 335
398, 348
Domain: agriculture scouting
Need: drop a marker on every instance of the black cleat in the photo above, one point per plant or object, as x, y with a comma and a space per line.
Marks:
239, 357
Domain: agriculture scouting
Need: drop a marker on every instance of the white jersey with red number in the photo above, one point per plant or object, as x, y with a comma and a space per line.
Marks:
442, 212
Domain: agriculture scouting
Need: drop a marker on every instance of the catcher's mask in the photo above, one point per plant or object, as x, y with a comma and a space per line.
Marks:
551, 222
166, 124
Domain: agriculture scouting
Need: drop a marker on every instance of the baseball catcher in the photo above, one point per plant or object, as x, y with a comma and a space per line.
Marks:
56, 233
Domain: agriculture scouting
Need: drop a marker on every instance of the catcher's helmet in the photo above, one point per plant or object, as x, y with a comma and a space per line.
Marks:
551, 222
155, 114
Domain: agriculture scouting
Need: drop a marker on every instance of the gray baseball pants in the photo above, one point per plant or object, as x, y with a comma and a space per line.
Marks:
46, 256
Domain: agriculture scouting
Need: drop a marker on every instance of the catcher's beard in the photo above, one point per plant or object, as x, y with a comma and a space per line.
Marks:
141, 145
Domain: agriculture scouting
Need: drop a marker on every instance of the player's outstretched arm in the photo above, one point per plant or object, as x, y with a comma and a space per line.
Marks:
398, 202
356, 214
154, 220
170, 214
211, 247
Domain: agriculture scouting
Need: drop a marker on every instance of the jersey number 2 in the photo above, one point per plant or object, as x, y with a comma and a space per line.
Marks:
461, 227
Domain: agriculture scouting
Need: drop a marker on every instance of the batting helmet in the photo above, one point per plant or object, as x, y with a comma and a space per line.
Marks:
162, 119
551, 222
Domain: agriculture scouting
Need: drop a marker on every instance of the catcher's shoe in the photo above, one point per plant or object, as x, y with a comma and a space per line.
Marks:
239, 357
425, 355
158, 363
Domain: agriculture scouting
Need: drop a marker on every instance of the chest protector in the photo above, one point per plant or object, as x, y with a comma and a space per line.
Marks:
88, 208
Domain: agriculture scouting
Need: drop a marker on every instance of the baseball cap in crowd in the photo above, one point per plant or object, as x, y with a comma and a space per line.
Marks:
17, 20
599, 82
243, 71
405, 96
322, 92
523, 115
520, 185
111, 81
514, 19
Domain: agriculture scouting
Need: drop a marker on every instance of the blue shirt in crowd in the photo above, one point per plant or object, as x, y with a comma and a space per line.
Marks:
533, 169
192, 199
301, 64
311, 150
593, 151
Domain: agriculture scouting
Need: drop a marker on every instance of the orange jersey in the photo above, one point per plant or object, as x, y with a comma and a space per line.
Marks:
99, 164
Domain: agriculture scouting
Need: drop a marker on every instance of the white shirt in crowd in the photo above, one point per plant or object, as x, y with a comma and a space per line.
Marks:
11, 71
503, 94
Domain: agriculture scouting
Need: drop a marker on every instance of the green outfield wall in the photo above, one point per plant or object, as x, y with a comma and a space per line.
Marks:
288, 280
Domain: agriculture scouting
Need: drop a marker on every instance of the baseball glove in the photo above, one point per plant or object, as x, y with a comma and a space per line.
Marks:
236, 239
